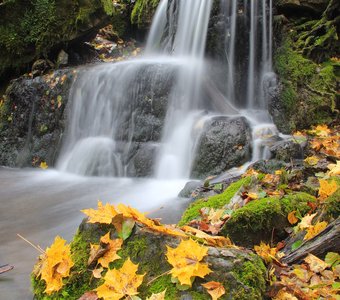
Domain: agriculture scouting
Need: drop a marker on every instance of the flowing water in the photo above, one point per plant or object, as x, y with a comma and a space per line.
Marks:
158, 103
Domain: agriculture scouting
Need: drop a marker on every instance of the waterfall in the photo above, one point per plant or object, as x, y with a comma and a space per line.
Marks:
140, 117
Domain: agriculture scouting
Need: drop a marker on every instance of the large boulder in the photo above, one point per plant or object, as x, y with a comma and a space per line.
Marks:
296, 7
224, 143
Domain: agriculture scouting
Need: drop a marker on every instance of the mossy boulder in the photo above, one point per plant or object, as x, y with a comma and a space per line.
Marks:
264, 219
33, 118
31, 29
240, 271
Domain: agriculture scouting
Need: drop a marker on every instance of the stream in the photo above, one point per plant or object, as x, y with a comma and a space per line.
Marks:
42, 204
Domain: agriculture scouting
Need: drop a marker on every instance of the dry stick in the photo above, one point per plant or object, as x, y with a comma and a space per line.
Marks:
38, 248
153, 279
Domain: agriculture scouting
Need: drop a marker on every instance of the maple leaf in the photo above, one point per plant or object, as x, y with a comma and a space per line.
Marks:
103, 215
313, 231
215, 241
120, 283
320, 130
112, 247
334, 169
97, 273
215, 289
186, 261
43, 165
56, 264
283, 295
266, 252
326, 188
315, 264
158, 296
292, 219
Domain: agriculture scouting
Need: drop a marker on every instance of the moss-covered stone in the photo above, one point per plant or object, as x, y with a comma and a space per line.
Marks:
264, 219
216, 201
332, 205
240, 271
143, 12
308, 90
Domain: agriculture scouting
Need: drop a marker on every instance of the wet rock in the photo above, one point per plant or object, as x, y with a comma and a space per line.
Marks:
40, 67
286, 151
62, 59
268, 166
142, 163
189, 188
224, 143
299, 7
33, 119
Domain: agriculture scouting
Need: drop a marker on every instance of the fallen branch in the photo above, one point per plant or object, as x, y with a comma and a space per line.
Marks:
5, 268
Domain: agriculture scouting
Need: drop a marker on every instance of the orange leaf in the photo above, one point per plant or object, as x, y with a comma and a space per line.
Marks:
215, 289
315, 264
56, 265
120, 283
186, 261
313, 231
292, 219
103, 215
113, 246
326, 188
267, 253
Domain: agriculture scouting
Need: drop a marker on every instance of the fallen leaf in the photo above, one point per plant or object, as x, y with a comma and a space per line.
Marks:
89, 296
292, 219
186, 261
120, 283
103, 215
111, 254
96, 251
312, 160
215, 289
315, 264
43, 165
334, 169
327, 188
56, 264
314, 230
332, 259
159, 296
266, 252
97, 273
306, 221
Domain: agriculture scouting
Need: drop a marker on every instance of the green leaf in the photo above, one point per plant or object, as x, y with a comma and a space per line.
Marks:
296, 245
332, 259
127, 228
218, 187
336, 286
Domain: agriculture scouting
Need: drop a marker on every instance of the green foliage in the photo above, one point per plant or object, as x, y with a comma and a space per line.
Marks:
143, 11
216, 201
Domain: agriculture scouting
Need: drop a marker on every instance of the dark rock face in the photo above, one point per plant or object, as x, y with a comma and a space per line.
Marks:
224, 143
286, 151
33, 120
296, 7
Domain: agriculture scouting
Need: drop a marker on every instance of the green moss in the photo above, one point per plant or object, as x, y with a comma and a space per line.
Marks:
252, 274
216, 201
260, 219
332, 205
143, 11
162, 283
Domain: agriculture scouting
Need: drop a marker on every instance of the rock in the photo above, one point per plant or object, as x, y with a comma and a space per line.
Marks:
224, 143
62, 59
241, 272
189, 188
142, 163
298, 7
32, 120
286, 151
40, 67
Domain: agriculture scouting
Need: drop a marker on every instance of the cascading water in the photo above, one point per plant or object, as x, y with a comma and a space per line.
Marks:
150, 106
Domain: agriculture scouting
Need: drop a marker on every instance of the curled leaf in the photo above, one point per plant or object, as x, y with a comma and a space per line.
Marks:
215, 289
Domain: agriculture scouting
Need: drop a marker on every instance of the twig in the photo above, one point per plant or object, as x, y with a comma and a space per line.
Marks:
153, 279
38, 248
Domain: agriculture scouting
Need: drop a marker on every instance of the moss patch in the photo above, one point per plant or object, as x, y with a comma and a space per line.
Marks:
216, 201
262, 219
143, 12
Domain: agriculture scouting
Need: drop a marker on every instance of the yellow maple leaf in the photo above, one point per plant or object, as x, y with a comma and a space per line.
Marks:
158, 296
43, 165
320, 130
215, 289
312, 231
283, 295
334, 169
120, 283
312, 160
186, 261
327, 188
103, 215
56, 264
315, 264
266, 252
292, 219
112, 247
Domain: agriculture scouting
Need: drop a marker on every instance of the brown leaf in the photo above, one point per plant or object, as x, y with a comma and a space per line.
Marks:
215, 289
89, 296
315, 264
292, 219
